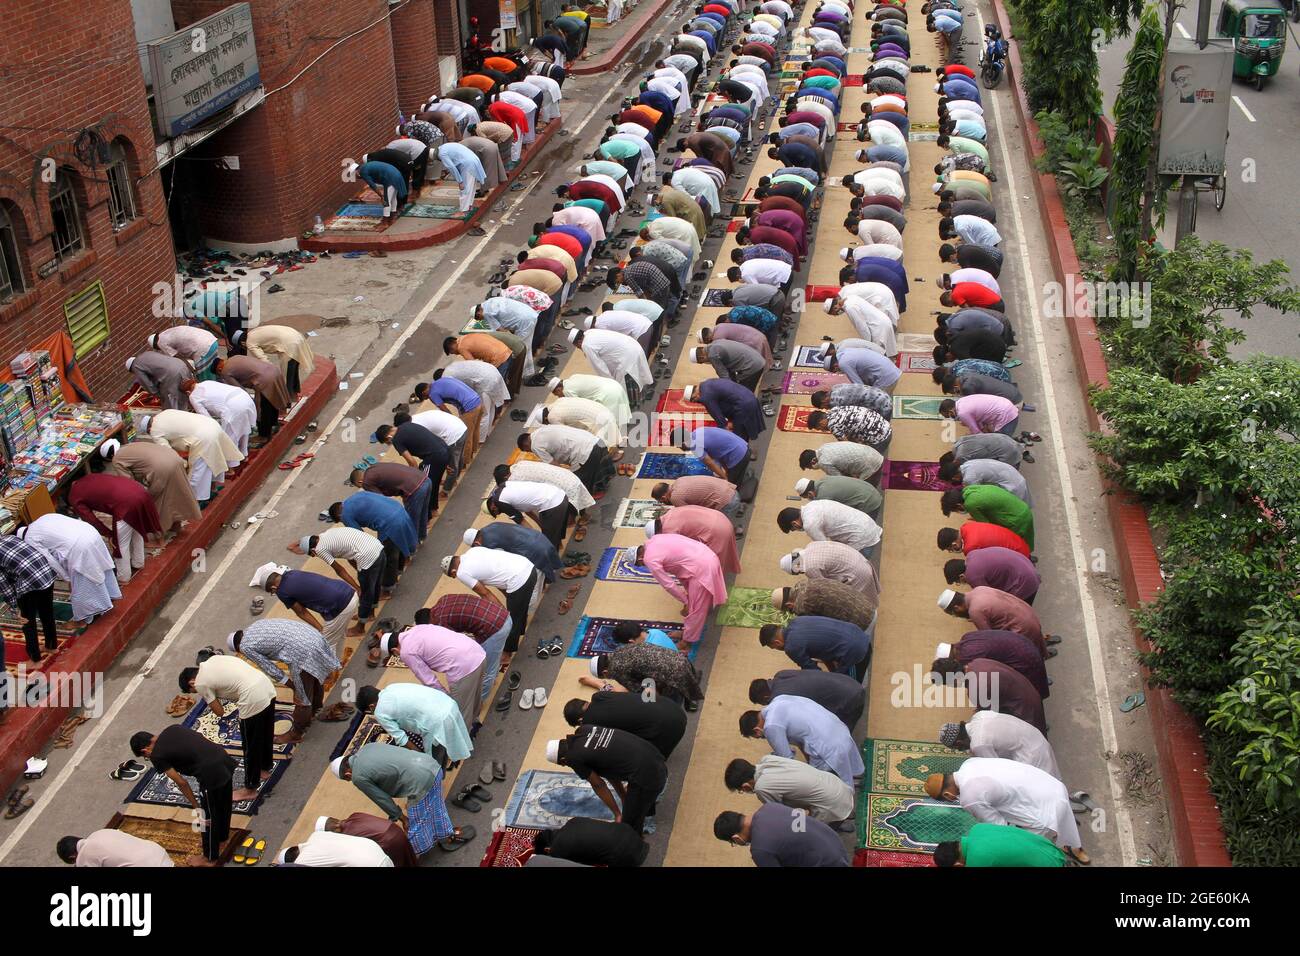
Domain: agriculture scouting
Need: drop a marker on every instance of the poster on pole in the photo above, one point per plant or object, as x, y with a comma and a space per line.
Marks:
507, 10
1194, 114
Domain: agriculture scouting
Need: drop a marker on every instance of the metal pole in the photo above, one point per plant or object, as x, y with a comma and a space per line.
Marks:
1203, 24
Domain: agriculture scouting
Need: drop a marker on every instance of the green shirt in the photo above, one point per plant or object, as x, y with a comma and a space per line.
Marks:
960, 144
854, 492
619, 149
615, 171
596, 204
822, 82
383, 772
999, 506
987, 844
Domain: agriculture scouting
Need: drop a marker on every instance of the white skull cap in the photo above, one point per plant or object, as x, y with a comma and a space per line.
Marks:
553, 746
946, 598
801, 485
336, 767
828, 304
942, 651
573, 336
469, 536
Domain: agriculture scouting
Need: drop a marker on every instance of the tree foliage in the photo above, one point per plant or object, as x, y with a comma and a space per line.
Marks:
1136, 106
1060, 63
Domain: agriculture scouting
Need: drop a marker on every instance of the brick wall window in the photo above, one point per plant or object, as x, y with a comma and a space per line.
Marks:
11, 266
121, 197
69, 235
87, 317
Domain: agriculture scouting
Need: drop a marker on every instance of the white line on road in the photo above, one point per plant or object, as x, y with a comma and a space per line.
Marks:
88, 743
1242, 106
1101, 685
1182, 31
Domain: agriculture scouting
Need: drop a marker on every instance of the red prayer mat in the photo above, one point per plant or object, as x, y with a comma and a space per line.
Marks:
663, 427
866, 857
794, 418
852, 79
820, 293
805, 383
671, 402
510, 846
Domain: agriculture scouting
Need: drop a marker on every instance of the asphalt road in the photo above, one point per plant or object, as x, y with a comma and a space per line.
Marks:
1262, 216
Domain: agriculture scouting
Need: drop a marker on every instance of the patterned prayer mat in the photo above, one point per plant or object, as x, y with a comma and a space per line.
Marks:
909, 824
664, 427
671, 402
924, 407
891, 858
358, 210
510, 846
546, 799
809, 356
424, 210
899, 767
713, 298
916, 342
225, 730
637, 512
794, 418
595, 635
355, 224
177, 837
914, 476
805, 383
853, 79
750, 607
915, 362
619, 564
157, 788
362, 730
668, 467
16, 647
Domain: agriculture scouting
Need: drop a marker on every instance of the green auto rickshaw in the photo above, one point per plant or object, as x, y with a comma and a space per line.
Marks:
1258, 32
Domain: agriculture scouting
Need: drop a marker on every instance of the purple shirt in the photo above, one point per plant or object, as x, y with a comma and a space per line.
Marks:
1008, 648
326, 596
426, 648
724, 447
1005, 570
452, 391
986, 413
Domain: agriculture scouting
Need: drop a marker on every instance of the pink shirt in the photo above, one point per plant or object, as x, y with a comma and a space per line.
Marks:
986, 413
745, 335
426, 648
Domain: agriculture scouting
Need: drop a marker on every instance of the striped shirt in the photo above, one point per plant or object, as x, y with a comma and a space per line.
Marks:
353, 545
298, 646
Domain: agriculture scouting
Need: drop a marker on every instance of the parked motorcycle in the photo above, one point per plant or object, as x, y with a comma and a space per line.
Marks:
993, 59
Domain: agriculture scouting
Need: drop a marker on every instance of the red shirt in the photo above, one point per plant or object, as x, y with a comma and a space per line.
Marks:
821, 71
719, 9
959, 69
547, 265
512, 116
807, 116
984, 534
782, 240
972, 293
587, 189
888, 201
565, 241
788, 222
755, 48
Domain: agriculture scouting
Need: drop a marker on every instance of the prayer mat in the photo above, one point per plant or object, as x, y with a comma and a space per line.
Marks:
713, 298
900, 767
361, 210
425, 210
750, 607
794, 418
158, 790
924, 407
671, 402
916, 342
619, 564
667, 467
225, 730
852, 79
547, 799
429, 820
909, 824
914, 476
820, 293
891, 858
595, 635
356, 224
16, 647
915, 362
637, 512
846, 127
805, 383
177, 837
363, 729
664, 427
809, 356
520, 455
510, 846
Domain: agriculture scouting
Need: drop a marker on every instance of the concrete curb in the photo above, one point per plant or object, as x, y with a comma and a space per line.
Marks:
434, 235
25, 731
614, 54
1197, 830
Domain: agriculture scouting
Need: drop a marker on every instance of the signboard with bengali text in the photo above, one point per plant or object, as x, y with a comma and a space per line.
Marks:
203, 68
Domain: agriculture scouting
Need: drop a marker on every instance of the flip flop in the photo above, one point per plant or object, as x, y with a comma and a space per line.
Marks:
1078, 855
336, 713
240, 857
565, 607
514, 680
1133, 702
1012, 363
17, 809
255, 856
504, 702
457, 840
465, 800
526, 700
498, 770
539, 697
480, 792
1081, 801
485, 775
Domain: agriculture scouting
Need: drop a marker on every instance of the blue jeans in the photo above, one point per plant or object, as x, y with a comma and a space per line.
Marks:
493, 647
418, 507
1010, 427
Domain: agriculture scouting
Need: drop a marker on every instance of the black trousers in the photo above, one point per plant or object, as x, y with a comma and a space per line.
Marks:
258, 732
217, 805
267, 416
437, 468
371, 580
640, 803
597, 470
419, 169
291, 378
34, 604
517, 602
394, 564
554, 522
736, 473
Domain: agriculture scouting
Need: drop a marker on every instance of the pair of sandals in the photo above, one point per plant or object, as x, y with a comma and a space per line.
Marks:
472, 798
626, 469
533, 697
128, 770
249, 852
18, 803
503, 704
552, 648
576, 571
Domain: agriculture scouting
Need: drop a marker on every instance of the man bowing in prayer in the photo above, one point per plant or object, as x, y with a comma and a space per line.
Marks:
614, 355
160, 470
418, 718
128, 505
210, 451
732, 405
691, 573
705, 525
390, 837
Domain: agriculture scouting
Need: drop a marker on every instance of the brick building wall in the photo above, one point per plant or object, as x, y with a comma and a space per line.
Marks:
62, 71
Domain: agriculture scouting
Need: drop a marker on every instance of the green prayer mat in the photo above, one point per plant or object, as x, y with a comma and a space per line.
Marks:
887, 822
900, 767
750, 607
918, 406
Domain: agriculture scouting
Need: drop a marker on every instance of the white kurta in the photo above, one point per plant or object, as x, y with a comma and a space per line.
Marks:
1002, 735
1008, 793
871, 323
230, 405
201, 437
616, 355
279, 344
79, 556
557, 477
604, 391
581, 413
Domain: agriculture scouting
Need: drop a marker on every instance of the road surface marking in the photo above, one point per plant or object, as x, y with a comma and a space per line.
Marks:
1242, 106
1101, 685
87, 744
